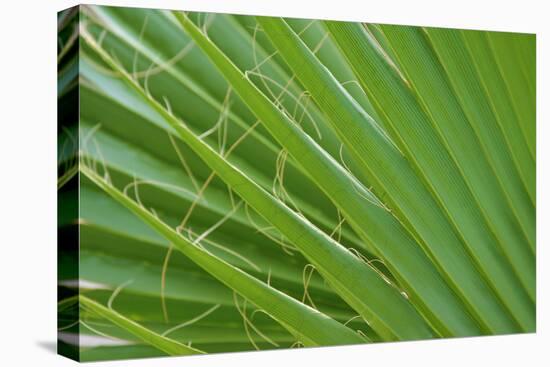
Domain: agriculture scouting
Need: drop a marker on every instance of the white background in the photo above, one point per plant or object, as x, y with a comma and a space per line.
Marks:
28, 182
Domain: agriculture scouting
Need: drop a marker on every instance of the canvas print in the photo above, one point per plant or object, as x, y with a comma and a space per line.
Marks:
237, 183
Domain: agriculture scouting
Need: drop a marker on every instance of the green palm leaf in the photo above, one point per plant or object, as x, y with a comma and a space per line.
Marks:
229, 183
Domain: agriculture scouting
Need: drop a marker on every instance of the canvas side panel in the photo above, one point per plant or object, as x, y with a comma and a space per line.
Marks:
68, 183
